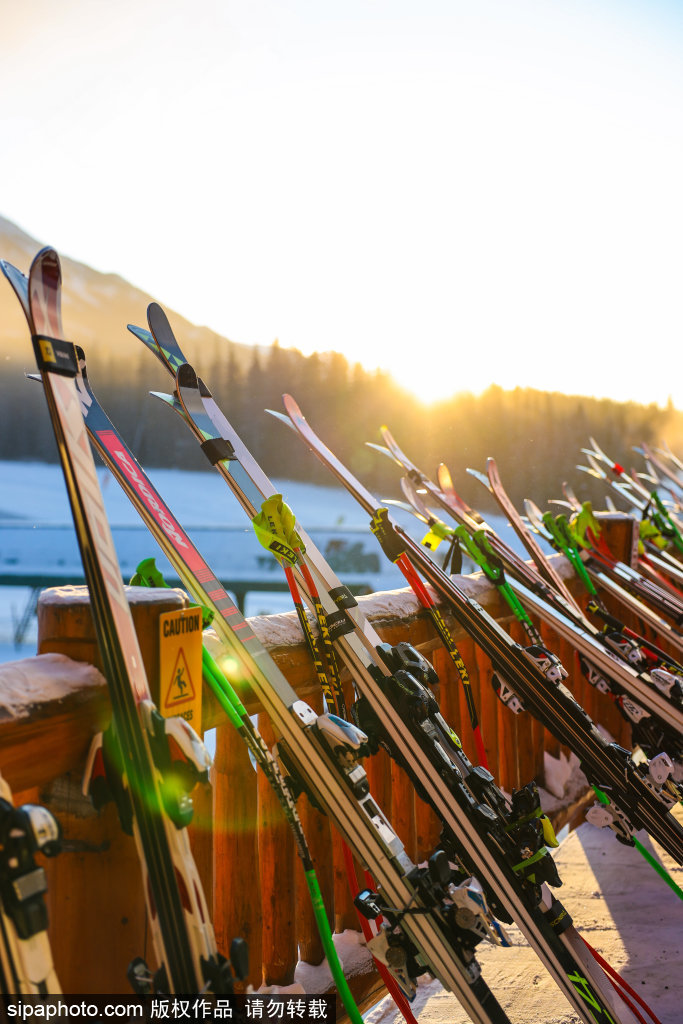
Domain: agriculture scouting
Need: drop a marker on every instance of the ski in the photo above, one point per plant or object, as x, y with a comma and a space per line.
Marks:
657, 460
643, 582
639, 670
183, 936
26, 966
479, 844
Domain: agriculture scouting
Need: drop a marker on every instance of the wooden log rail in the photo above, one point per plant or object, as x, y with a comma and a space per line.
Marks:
242, 845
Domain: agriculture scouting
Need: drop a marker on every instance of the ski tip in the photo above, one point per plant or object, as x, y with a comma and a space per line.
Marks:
140, 332
15, 277
282, 417
186, 377
443, 476
405, 506
155, 312
481, 477
292, 407
47, 261
166, 399
380, 448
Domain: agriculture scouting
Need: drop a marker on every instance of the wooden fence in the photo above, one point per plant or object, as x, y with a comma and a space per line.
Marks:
242, 845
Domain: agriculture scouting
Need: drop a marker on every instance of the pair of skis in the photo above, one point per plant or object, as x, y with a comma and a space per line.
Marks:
184, 942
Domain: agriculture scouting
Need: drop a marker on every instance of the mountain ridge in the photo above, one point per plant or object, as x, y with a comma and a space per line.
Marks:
97, 306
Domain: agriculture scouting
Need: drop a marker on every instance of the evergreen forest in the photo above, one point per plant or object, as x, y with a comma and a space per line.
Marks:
535, 436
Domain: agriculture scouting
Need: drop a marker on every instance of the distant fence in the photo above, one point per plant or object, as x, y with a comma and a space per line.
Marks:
39, 555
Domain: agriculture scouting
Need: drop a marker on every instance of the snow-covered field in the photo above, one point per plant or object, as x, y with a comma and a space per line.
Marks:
33, 499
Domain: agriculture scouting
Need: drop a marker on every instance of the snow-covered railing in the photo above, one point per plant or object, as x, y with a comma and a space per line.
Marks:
50, 706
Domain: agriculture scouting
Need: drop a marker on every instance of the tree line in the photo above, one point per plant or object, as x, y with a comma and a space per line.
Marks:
535, 436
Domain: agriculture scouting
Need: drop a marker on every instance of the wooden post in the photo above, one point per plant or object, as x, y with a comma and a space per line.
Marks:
95, 898
318, 833
97, 890
65, 624
276, 848
236, 898
345, 914
403, 809
550, 742
488, 710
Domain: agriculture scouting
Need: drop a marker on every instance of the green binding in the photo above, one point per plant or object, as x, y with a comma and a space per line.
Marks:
274, 529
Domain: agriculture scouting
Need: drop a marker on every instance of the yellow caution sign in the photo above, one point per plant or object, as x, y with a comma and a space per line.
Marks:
180, 665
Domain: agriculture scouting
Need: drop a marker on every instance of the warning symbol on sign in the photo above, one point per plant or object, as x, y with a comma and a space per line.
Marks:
180, 689
180, 664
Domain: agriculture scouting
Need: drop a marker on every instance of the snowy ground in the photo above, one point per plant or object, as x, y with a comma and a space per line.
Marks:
621, 907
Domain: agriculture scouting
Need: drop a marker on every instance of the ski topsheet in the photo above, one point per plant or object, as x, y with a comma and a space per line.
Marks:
183, 935
563, 955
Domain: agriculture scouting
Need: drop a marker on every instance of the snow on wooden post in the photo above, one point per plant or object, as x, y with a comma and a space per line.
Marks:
50, 706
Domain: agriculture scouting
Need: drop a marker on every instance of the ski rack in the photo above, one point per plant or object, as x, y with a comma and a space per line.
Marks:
357, 648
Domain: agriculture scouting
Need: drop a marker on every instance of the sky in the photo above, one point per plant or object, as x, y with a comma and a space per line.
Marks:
458, 192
